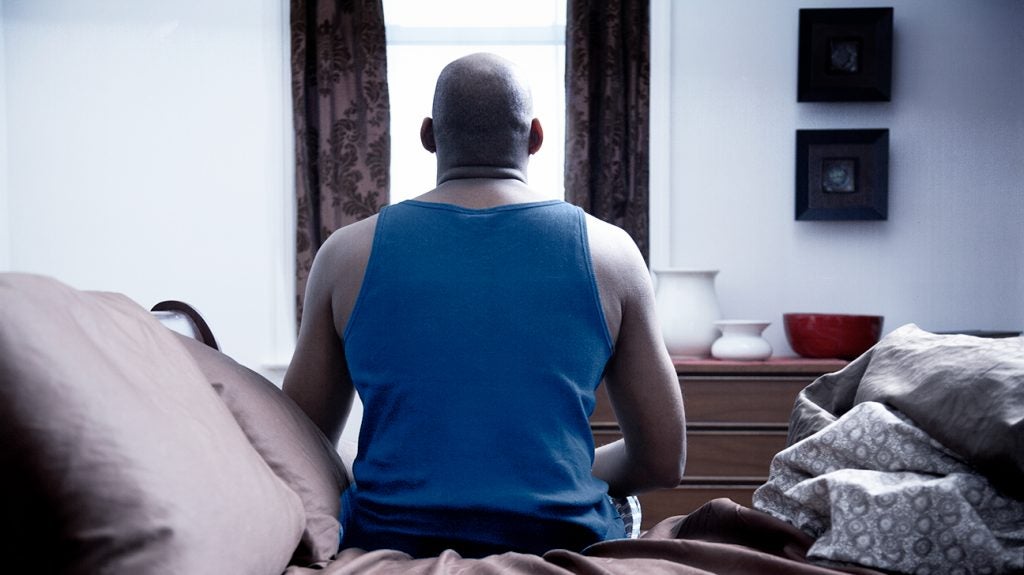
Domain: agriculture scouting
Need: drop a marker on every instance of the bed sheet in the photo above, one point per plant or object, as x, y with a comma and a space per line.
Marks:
721, 537
910, 459
874, 490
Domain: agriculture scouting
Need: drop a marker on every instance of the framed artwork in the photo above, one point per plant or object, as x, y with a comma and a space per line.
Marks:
842, 174
845, 55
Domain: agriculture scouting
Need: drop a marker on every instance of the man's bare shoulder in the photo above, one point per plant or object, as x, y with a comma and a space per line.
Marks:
617, 261
352, 241
340, 265
349, 247
619, 269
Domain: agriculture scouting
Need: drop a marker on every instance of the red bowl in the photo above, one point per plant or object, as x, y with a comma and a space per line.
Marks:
829, 335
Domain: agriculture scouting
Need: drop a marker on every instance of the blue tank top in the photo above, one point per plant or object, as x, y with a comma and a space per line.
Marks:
475, 344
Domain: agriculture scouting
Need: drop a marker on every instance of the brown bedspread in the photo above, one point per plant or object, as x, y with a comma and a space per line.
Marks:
720, 537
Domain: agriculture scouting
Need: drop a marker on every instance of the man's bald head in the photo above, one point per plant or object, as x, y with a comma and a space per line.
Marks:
482, 114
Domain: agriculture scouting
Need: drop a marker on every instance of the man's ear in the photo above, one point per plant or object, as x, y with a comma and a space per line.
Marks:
536, 136
427, 135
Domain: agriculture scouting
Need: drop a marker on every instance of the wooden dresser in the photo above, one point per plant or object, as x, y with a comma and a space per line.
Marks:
737, 418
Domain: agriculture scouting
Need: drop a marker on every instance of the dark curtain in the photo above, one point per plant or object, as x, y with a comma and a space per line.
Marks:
607, 76
341, 111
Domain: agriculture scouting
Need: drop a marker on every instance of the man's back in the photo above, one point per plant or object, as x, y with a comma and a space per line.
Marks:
483, 133
619, 271
483, 329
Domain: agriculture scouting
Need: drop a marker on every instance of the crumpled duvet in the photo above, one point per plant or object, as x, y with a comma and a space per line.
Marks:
910, 459
876, 491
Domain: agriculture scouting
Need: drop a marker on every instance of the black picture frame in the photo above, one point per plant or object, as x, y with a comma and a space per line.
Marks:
842, 174
845, 55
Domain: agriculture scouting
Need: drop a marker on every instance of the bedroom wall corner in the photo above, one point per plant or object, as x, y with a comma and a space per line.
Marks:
1017, 79
660, 134
5, 212
951, 254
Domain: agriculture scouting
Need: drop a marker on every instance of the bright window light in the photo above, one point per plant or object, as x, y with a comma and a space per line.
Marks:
474, 13
425, 36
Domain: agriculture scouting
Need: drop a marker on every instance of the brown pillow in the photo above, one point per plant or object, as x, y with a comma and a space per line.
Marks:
289, 442
116, 455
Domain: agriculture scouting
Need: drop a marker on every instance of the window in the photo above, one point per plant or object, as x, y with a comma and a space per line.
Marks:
424, 36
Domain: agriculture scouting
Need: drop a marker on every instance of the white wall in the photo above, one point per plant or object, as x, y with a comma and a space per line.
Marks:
149, 153
5, 225
950, 255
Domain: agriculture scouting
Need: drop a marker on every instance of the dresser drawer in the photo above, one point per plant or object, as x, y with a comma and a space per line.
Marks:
741, 401
737, 417
738, 455
727, 400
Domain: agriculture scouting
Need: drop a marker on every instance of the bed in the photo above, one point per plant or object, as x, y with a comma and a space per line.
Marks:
131, 448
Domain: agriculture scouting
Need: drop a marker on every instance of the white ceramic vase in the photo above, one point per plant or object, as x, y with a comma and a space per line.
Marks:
687, 308
741, 340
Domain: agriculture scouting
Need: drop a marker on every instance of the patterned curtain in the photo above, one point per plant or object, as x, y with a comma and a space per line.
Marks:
341, 110
607, 76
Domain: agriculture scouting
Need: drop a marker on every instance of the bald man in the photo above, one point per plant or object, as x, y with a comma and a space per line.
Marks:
475, 322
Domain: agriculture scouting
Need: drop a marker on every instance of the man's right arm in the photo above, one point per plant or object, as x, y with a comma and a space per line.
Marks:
643, 388
317, 378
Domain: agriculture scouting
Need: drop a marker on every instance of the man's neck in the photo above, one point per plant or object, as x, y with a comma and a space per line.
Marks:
481, 173
481, 192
